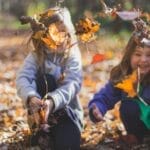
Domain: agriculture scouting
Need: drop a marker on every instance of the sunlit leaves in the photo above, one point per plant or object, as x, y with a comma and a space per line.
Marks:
38, 34
53, 37
49, 42
86, 29
127, 85
56, 35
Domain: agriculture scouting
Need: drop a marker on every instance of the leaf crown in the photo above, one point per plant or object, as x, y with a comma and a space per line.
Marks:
141, 33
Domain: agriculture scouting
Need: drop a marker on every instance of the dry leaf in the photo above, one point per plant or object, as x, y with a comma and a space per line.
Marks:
98, 58
57, 36
49, 42
127, 85
54, 37
38, 34
42, 115
86, 28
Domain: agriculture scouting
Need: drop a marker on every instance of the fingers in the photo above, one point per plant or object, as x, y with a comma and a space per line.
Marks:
97, 114
45, 127
48, 108
35, 104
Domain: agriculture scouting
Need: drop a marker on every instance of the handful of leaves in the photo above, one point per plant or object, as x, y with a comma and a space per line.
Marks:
37, 118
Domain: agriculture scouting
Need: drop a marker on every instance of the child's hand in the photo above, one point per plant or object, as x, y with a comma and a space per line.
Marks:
35, 104
96, 113
48, 107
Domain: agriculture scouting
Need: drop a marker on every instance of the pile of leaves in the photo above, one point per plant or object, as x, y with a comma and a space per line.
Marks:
14, 130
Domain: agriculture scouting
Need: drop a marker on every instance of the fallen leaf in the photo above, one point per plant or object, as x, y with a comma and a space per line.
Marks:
98, 58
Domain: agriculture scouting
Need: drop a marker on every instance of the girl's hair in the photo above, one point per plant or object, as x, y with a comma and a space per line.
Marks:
123, 69
141, 38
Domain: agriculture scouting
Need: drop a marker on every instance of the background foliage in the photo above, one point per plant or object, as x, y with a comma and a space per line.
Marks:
15, 8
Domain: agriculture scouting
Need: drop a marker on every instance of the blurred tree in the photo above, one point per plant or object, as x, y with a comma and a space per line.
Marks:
18, 7
76, 7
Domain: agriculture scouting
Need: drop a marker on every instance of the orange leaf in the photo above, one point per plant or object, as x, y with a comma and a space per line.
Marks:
54, 37
42, 115
86, 28
49, 42
38, 34
127, 85
98, 58
57, 36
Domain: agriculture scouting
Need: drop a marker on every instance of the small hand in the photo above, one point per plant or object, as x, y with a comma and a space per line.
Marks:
47, 107
96, 113
35, 104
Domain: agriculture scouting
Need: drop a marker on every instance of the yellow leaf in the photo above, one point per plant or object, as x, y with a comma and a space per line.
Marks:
49, 42
85, 37
127, 85
86, 28
57, 36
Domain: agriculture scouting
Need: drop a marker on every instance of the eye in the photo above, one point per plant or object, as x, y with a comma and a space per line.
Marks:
137, 54
148, 55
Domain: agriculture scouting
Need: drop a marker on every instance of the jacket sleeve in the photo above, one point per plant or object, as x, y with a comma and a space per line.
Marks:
146, 94
105, 99
71, 84
25, 81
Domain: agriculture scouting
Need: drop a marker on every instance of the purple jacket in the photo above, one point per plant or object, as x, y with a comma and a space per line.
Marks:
108, 96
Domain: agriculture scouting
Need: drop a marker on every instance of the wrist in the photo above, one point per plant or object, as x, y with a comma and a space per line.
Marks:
51, 104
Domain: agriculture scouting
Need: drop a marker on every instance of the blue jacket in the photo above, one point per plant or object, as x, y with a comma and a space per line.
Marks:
108, 96
66, 95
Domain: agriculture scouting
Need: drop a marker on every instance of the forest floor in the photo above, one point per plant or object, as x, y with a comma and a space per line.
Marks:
14, 130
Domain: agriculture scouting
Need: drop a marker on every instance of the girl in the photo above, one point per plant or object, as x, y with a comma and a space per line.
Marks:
53, 72
137, 55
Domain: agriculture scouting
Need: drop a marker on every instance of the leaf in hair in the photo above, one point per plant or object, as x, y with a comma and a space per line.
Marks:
49, 42
48, 13
38, 34
57, 36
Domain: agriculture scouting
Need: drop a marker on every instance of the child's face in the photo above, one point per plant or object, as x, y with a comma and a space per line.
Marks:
141, 58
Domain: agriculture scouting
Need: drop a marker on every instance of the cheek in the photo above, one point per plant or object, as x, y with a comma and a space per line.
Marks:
134, 62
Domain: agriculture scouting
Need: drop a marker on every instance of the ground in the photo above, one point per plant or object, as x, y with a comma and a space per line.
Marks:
14, 131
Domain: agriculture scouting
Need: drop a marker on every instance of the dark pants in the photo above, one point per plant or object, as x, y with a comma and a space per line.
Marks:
130, 115
65, 135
